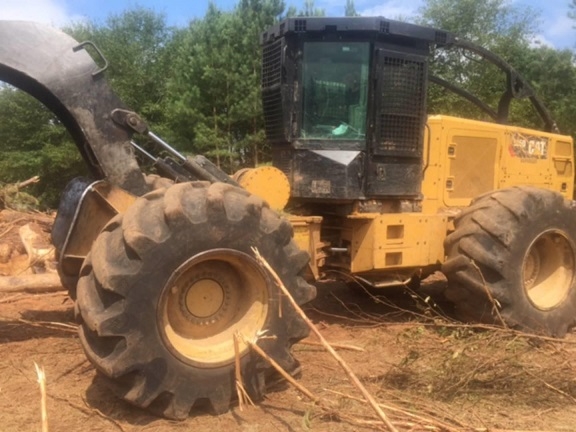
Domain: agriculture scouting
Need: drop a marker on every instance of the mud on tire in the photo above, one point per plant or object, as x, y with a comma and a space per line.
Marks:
520, 244
168, 283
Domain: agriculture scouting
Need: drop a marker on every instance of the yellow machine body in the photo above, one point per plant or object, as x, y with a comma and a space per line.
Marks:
467, 158
463, 159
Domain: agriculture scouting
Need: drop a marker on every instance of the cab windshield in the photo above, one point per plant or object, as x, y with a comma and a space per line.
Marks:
335, 80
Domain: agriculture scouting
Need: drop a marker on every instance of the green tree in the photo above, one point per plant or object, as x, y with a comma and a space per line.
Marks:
572, 11
496, 25
490, 23
247, 102
308, 10
553, 75
215, 106
34, 142
350, 9
137, 45
200, 86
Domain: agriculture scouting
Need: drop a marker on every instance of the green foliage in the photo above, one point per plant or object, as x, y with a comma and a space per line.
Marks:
489, 23
215, 107
309, 10
135, 44
572, 11
33, 142
558, 89
508, 31
350, 9
11, 197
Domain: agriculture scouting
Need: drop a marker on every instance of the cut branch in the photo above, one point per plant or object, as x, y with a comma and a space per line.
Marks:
353, 378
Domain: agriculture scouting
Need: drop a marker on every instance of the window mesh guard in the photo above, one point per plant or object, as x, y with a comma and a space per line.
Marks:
402, 107
272, 90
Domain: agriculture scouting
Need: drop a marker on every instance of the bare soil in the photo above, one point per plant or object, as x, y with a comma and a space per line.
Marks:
430, 372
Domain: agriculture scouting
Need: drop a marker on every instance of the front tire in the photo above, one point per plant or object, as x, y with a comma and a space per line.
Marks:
519, 244
167, 284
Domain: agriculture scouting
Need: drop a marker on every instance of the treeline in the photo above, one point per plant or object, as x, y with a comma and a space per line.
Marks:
199, 86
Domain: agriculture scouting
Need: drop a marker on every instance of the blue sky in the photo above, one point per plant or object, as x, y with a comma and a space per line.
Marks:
556, 28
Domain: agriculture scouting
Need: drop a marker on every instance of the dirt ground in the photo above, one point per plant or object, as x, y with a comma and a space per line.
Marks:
429, 372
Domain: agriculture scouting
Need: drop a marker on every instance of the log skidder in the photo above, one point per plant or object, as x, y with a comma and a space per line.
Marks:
514, 251
167, 285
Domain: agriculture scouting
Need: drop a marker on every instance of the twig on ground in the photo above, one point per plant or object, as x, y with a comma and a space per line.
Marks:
353, 378
11, 226
427, 420
280, 370
372, 323
334, 345
359, 323
550, 386
11, 298
48, 324
322, 404
243, 397
495, 304
423, 406
104, 416
71, 369
42, 381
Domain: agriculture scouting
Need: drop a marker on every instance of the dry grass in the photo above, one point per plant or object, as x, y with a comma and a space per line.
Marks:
454, 376
446, 363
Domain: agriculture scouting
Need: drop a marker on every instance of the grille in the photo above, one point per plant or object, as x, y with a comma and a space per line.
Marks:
272, 105
271, 64
400, 135
282, 159
441, 38
402, 106
402, 86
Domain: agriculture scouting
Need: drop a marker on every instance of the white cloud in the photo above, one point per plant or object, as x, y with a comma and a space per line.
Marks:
555, 27
387, 8
541, 40
558, 31
560, 26
52, 12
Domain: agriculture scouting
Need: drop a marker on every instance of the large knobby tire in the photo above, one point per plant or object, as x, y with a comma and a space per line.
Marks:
517, 246
168, 284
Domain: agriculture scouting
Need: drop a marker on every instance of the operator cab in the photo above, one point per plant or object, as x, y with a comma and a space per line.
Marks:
345, 105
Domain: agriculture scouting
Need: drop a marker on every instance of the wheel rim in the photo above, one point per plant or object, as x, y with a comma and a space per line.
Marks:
548, 270
207, 300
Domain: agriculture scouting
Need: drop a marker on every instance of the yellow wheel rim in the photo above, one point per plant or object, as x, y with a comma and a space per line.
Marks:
548, 270
207, 300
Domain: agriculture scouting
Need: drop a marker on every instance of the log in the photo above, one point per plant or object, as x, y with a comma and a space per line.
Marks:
35, 283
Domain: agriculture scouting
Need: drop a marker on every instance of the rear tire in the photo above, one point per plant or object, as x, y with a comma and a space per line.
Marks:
168, 283
520, 245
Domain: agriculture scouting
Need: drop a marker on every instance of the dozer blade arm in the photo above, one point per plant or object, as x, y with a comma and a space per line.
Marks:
55, 69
